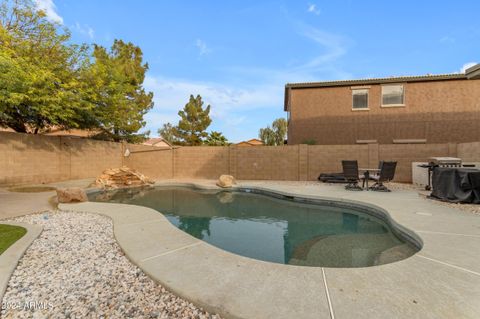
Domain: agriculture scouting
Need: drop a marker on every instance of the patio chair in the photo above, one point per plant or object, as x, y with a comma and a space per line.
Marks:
350, 173
387, 173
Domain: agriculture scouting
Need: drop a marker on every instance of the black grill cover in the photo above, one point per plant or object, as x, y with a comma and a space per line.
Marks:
332, 178
456, 185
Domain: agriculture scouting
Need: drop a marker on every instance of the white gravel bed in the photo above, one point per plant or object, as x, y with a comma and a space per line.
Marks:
75, 269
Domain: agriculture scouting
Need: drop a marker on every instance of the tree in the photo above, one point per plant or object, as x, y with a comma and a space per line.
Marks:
267, 135
280, 126
276, 134
45, 81
216, 139
309, 141
167, 132
42, 75
191, 129
117, 91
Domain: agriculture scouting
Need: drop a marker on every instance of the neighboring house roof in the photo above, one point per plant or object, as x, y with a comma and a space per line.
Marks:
470, 73
473, 72
251, 142
158, 142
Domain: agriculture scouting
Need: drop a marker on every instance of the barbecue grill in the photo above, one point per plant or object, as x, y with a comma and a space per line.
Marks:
439, 162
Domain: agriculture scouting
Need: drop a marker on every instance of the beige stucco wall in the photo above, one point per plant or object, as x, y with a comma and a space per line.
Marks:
266, 162
26, 158
200, 162
469, 152
439, 111
41, 159
327, 158
405, 154
150, 160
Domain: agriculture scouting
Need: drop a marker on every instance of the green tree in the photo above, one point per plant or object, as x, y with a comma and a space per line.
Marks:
42, 75
191, 129
276, 134
216, 139
267, 135
117, 91
309, 141
167, 132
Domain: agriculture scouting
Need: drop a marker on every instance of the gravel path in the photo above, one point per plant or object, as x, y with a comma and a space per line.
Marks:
75, 269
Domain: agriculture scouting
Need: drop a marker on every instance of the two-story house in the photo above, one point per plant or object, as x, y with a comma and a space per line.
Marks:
410, 109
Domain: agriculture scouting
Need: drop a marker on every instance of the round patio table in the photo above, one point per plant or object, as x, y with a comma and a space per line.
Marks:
366, 174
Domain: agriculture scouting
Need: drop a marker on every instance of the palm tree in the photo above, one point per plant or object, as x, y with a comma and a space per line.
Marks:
216, 139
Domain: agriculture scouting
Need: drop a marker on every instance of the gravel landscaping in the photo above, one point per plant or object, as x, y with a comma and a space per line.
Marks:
75, 269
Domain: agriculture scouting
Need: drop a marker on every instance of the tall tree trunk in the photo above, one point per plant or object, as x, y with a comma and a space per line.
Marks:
116, 137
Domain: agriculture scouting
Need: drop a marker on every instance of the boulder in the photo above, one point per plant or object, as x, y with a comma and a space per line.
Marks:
71, 195
226, 181
121, 177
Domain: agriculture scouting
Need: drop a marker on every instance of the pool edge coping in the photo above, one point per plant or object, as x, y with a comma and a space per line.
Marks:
199, 300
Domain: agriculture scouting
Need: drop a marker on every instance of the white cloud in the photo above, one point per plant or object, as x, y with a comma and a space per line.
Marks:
447, 39
312, 8
172, 94
85, 30
334, 46
227, 102
50, 10
258, 88
321, 66
202, 47
466, 66
235, 121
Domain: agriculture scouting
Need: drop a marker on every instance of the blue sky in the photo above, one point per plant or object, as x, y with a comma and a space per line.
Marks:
239, 54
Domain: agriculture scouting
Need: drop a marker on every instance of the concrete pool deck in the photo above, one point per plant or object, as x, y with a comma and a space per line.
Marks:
14, 204
440, 281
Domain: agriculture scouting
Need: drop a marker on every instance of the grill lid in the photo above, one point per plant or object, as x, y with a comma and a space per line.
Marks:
445, 160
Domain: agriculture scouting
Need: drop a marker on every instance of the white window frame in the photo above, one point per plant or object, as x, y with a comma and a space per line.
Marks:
368, 98
392, 105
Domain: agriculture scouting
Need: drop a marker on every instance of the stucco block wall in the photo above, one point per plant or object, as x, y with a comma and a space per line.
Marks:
299, 162
267, 162
26, 158
88, 158
200, 162
328, 158
438, 111
42, 159
151, 161
469, 152
405, 154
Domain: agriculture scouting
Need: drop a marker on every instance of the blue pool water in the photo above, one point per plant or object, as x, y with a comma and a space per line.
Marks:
273, 229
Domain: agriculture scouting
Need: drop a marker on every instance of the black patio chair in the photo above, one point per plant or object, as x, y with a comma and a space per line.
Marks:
350, 173
387, 173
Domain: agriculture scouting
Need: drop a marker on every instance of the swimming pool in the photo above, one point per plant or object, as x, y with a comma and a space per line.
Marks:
275, 228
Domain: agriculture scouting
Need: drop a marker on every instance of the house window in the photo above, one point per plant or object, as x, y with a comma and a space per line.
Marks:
360, 99
393, 95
